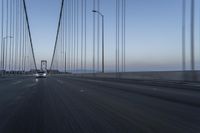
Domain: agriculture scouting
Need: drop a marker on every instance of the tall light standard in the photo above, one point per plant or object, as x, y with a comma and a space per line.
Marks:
183, 34
3, 44
192, 34
95, 11
193, 40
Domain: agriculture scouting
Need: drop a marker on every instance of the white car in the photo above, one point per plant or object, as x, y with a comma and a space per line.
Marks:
41, 75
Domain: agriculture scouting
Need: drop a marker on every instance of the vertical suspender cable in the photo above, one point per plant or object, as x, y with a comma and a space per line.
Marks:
183, 34
85, 28
73, 24
124, 63
117, 36
77, 58
20, 33
23, 57
2, 32
13, 32
65, 37
118, 39
6, 40
82, 12
26, 34
61, 44
10, 33
98, 35
69, 34
63, 40
122, 40
16, 37
72, 35
77, 36
23, 39
94, 34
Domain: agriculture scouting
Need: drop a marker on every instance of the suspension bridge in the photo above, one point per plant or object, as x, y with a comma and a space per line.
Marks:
91, 86
17, 55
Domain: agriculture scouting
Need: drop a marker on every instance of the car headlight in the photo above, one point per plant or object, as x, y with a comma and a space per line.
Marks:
36, 74
44, 74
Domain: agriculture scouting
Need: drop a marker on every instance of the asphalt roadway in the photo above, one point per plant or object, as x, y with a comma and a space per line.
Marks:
61, 104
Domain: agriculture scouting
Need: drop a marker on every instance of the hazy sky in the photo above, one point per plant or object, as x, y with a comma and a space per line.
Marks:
153, 32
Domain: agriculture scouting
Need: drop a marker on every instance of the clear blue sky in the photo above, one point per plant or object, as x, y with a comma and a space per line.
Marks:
153, 32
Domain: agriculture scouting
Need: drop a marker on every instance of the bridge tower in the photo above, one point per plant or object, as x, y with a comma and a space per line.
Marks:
44, 65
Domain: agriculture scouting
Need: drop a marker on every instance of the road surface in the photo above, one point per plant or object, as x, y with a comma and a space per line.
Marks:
61, 104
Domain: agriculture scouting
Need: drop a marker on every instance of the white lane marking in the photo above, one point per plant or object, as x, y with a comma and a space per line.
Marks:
36, 80
17, 82
30, 85
82, 91
19, 98
92, 80
155, 89
59, 81
193, 84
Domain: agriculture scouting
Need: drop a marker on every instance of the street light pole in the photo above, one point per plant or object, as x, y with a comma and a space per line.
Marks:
183, 34
192, 35
3, 63
102, 44
95, 11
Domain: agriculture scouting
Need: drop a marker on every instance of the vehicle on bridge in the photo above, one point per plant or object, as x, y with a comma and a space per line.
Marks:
41, 74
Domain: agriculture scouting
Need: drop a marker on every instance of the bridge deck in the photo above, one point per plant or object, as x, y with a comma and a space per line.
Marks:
60, 104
